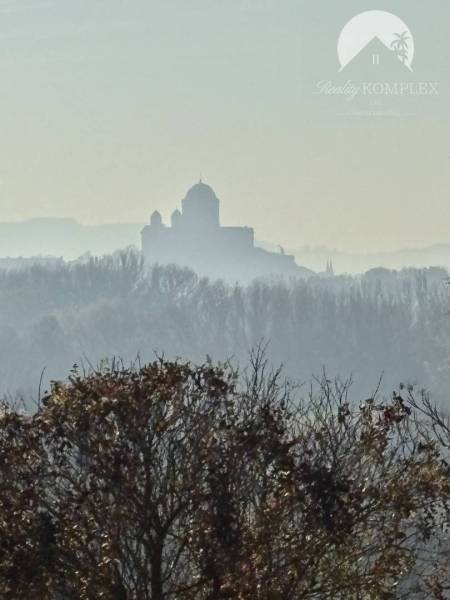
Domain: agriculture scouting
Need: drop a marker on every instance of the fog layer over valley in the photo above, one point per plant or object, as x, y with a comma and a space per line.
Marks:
69, 239
394, 324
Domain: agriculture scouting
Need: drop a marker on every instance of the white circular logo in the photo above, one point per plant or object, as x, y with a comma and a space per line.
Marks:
376, 27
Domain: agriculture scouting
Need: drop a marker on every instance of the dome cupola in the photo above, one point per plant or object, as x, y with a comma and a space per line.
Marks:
201, 206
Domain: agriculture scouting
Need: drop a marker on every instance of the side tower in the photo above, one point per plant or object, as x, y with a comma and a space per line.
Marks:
154, 238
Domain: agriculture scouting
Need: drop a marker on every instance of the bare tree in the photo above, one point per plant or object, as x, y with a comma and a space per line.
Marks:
175, 481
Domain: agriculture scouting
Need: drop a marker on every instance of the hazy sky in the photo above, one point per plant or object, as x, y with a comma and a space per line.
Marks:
113, 108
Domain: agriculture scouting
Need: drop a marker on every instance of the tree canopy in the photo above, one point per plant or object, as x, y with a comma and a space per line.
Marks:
171, 480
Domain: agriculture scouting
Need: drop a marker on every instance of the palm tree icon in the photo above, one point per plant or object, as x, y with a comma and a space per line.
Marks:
400, 46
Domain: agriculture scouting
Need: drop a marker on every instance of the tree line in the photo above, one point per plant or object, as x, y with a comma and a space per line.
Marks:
383, 323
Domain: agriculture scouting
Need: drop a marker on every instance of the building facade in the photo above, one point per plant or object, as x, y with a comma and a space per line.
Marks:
196, 239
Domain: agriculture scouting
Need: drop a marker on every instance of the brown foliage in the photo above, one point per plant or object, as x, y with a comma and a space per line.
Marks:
176, 481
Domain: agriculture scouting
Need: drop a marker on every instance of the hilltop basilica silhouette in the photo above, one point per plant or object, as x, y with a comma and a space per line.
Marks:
196, 239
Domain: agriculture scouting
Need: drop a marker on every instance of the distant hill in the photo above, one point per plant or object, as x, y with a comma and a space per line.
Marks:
65, 237
315, 258
69, 239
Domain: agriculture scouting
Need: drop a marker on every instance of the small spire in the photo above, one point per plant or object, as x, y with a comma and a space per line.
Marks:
329, 267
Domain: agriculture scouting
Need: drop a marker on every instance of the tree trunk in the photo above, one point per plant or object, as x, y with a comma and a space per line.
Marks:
156, 567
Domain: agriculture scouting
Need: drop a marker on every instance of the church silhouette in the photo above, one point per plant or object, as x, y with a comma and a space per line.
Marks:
196, 239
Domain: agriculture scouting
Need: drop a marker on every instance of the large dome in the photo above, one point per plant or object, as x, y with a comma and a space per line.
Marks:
201, 191
201, 206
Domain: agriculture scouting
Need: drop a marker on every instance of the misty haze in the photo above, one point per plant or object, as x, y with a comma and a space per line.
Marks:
224, 300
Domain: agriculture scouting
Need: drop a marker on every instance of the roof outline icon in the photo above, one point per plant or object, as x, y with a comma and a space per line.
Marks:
361, 30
